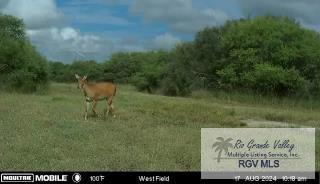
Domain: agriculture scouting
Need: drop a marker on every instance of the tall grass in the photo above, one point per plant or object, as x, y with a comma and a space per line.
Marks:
150, 132
252, 98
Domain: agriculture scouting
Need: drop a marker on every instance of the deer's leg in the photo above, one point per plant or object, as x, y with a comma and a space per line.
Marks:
111, 107
86, 110
94, 105
106, 110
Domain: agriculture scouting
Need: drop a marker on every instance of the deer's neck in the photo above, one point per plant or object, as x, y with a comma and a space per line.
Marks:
86, 90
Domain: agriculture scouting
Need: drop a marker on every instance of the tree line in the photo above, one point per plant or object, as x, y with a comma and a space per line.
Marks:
267, 55
22, 68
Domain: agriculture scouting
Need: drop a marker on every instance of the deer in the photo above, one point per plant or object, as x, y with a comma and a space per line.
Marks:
94, 92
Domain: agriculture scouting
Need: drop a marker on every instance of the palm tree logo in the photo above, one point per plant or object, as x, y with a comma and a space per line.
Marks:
222, 145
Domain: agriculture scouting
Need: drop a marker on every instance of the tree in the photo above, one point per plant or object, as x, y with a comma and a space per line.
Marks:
90, 68
180, 76
145, 70
122, 66
269, 55
61, 72
152, 71
277, 48
269, 79
208, 53
12, 27
26, 69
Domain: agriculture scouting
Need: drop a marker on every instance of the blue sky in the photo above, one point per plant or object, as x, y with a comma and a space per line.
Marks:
65, 30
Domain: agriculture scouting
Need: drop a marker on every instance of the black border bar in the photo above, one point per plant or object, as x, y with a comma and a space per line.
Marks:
133, 177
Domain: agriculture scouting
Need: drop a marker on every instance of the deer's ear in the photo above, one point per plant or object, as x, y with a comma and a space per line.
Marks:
77, 76
84, 78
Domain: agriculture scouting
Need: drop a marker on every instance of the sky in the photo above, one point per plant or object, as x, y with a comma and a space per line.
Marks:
67, 30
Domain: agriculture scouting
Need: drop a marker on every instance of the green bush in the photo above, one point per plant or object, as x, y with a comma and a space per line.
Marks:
228, 77
141, 83
270, 79
92, 69
31, 76
123, 66
313, 87
144, 70
60, 72
25, 69
180, 74
271, 55
176, 83
178, 87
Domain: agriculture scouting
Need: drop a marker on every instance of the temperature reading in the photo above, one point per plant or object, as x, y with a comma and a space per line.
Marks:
97, 178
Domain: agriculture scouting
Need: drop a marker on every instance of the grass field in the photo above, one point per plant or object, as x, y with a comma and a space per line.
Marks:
150, 132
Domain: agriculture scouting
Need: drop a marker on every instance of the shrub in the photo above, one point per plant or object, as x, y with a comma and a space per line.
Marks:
26, 70
228, 77
176, 83
267, 78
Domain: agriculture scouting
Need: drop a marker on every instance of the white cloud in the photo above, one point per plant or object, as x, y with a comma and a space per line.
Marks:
58, 41
69, 33
305, 11
67, 44
35, 13
217, 14
181, 15
54, 38
165, 41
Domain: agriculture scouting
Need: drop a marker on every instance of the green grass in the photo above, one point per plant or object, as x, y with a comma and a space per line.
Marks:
150, 132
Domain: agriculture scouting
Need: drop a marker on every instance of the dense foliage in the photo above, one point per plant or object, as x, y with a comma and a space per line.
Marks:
61, 72
22, 68
267, 55
145, 70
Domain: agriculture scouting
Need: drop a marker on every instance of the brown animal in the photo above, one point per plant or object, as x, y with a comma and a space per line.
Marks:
94, 92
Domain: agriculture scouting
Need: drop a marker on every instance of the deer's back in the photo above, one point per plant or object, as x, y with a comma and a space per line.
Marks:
102, 89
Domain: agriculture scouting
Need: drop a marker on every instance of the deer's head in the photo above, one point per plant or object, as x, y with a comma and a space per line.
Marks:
81, 81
